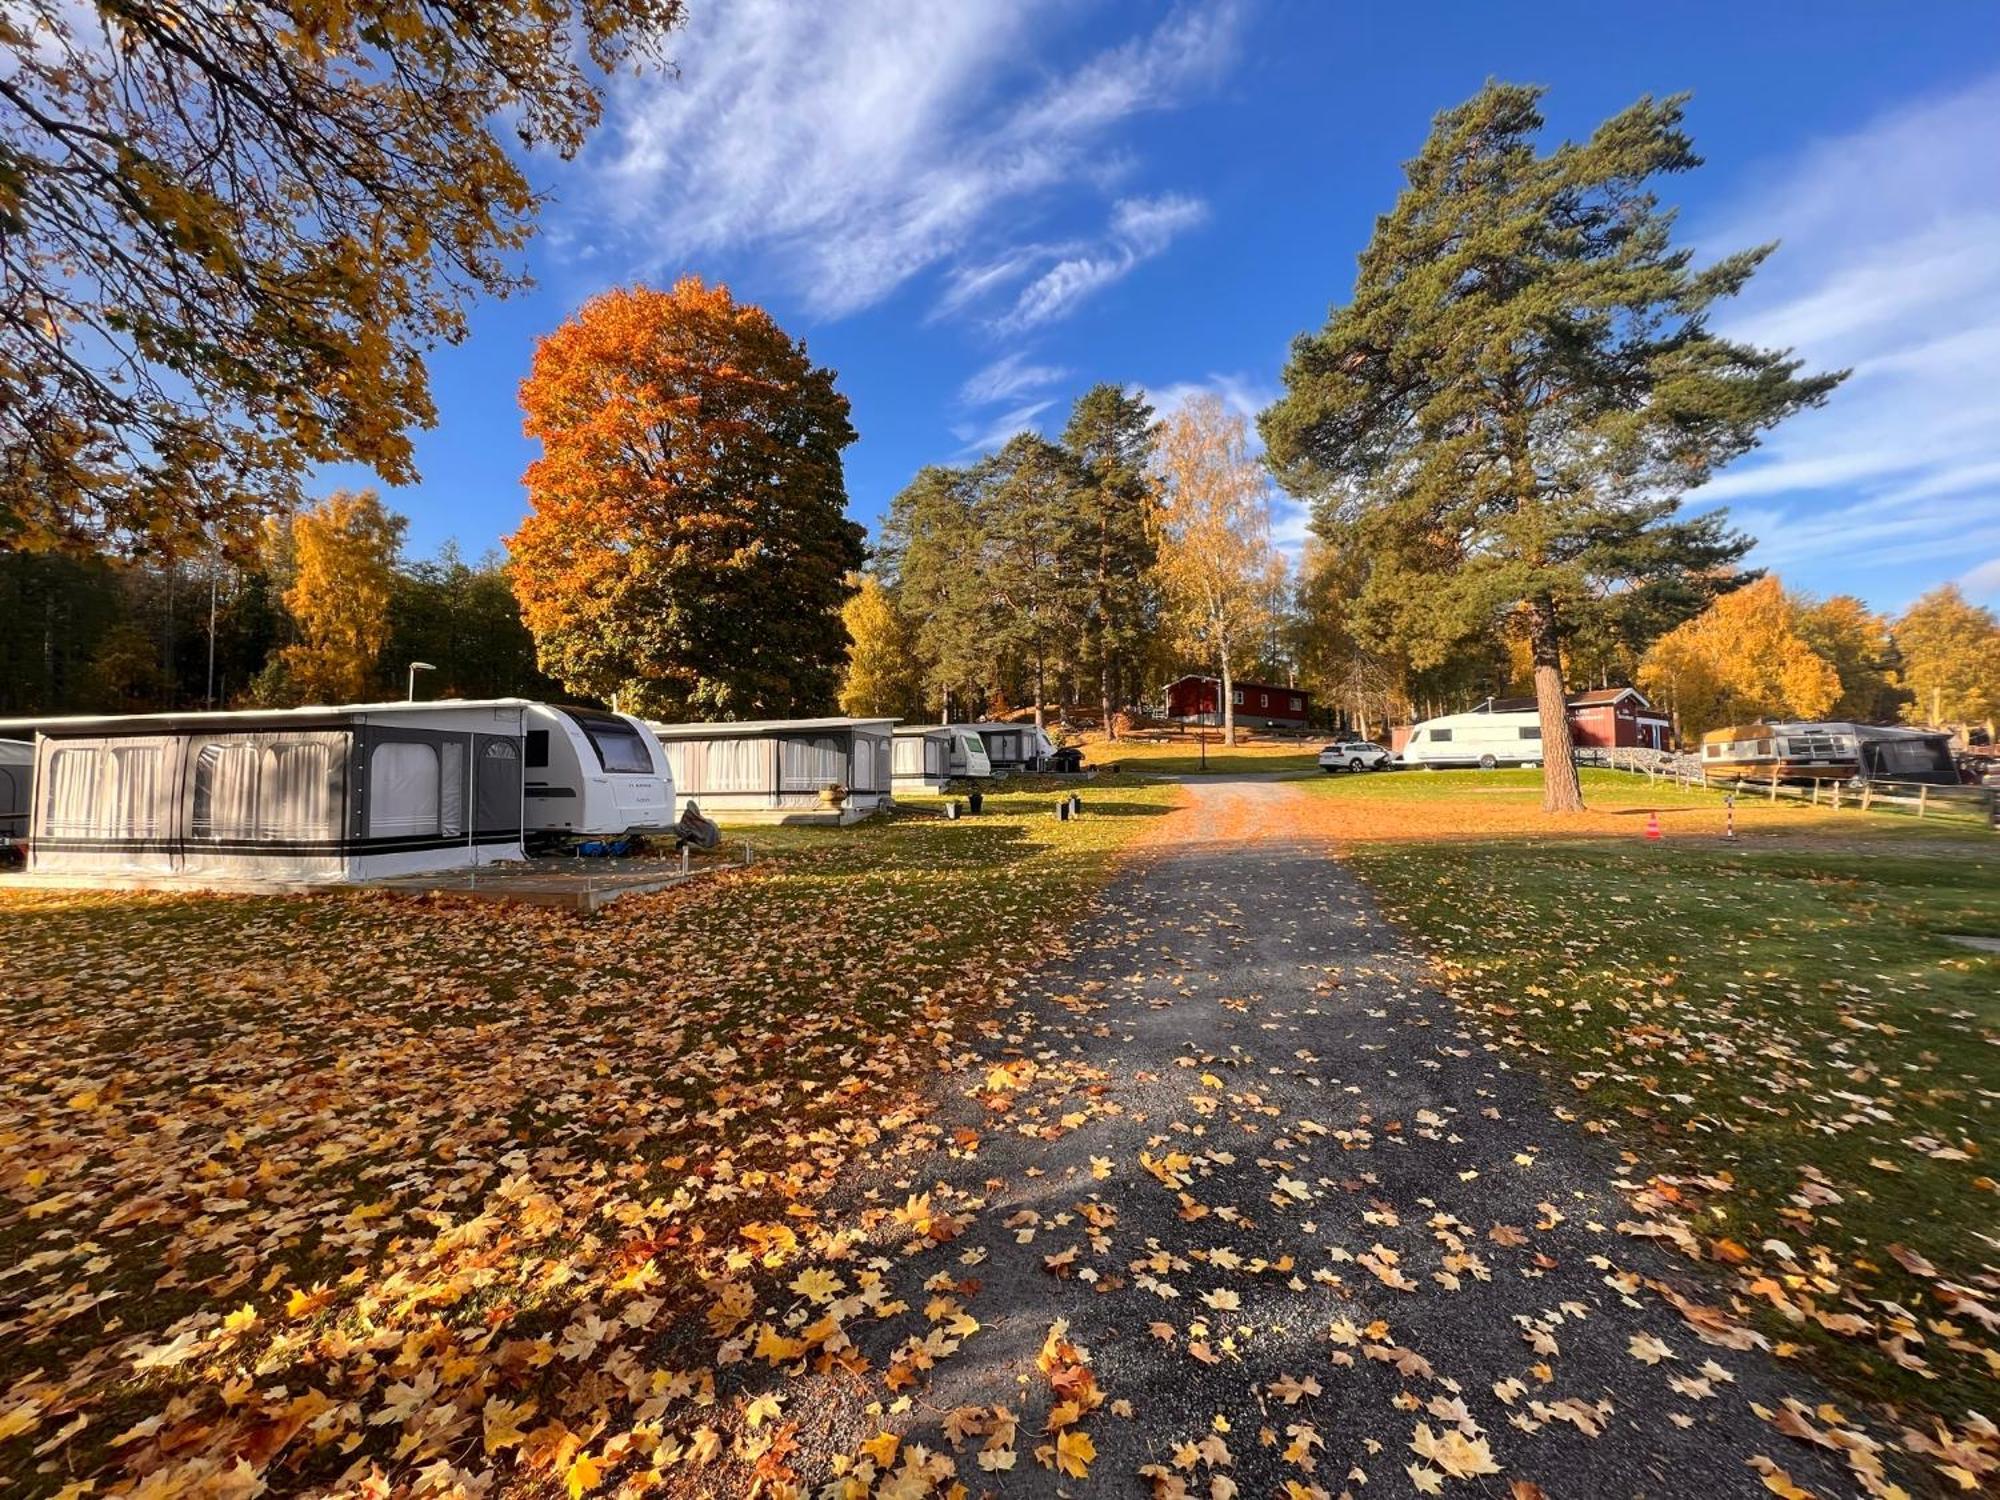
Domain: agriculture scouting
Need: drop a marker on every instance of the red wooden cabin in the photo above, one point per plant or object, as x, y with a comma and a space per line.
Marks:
1198, 700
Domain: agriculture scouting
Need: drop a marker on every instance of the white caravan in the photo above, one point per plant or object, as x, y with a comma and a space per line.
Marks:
592, 774
1481, 738
926, 756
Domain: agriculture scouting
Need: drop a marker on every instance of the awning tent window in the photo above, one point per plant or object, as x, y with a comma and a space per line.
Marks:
104, 792
451, 789
807, 763
403, 786
225, 792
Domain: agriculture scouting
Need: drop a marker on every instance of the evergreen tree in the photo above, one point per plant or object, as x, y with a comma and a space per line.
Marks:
1039, 554
1112, 434
932, 554
1523, 385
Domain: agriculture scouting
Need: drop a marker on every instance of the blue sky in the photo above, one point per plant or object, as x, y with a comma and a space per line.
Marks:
974, 209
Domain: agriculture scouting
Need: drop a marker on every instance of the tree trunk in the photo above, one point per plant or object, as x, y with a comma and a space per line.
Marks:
1104, 697
1038, 689
1561, 792
1228, 704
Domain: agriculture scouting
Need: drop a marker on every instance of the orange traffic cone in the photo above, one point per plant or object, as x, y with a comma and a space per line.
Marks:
1653, 826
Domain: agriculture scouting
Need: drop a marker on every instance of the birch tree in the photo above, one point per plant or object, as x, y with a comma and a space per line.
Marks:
1222, 580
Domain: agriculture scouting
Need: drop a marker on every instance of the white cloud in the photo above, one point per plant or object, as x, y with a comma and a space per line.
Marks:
857, 145
992, 432
1007, 377
1140, 229
1889, 263
1983, 582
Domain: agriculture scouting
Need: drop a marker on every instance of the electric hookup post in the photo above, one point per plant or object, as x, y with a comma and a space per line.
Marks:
1729, 815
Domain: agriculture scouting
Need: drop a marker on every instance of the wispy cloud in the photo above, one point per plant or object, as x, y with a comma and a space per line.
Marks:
1006, 378
1140, 229
991, 432
1889, 263
855, 146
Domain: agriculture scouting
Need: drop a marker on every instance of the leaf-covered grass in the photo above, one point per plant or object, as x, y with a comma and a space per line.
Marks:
1183, 756
300, 1187
1777, 1033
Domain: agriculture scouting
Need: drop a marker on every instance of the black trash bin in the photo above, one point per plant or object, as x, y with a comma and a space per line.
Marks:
975, 801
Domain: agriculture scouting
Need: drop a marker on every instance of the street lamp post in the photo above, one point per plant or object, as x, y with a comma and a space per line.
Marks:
416, 667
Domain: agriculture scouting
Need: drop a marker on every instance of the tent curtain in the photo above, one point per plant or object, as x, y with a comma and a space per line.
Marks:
806, 765
225, 792
299, 794
104, 791
403, 787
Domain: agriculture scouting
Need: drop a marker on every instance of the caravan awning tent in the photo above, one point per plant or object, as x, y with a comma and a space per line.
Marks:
289, 795
774, 770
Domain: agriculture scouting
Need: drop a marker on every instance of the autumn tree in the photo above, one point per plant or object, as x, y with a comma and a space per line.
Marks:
1112, 434
1523, 385
687, 548
883, 674
1745, 658
1856, 643
1951, 660
1222, 580
228, 234
344, 558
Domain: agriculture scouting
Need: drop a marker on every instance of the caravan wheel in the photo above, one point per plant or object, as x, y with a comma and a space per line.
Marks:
1487, 763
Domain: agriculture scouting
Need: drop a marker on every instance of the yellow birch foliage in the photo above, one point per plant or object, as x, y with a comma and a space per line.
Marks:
1742, 659
344, 554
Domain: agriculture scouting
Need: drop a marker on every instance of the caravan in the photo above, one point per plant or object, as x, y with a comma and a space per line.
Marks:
593, 774
1483, 738
17, 777
926, 756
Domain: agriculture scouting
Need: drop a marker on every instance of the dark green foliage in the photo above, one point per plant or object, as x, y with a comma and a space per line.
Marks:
1506, 414
1112, 434
1038, 553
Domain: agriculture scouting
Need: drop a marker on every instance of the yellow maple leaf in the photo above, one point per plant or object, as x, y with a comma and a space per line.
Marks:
583, 1476
817, 1284
882, 1448
1074, 1451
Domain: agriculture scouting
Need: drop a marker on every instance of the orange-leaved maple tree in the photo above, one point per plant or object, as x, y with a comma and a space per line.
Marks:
687, 549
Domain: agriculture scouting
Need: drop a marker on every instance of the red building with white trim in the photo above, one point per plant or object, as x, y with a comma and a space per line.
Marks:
1198, 700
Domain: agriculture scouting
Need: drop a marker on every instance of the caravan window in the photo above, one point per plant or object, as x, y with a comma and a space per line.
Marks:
620, 748
1439, 736
403, 789
538, 749
1531, 732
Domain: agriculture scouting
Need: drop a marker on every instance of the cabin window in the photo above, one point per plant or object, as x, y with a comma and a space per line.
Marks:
1298, 705
1263, 700
1440, 736
225, 792
538, 749
621, 749
403, 788
1236, 697
1531, 731
807, 763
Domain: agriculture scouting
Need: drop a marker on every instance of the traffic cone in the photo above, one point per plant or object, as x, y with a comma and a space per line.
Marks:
1653, 826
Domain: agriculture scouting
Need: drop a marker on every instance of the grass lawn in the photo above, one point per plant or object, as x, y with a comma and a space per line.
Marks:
1183, 757
1773, 1030
298, 1188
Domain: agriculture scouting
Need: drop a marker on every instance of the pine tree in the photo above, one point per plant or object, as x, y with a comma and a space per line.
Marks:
1522, 387
1038, 553
1113, 435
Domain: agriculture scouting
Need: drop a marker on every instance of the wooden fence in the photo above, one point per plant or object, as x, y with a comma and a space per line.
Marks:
1973, 805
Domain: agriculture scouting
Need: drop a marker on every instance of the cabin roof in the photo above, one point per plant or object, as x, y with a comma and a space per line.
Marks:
1239, 682
1595, 698
724, 729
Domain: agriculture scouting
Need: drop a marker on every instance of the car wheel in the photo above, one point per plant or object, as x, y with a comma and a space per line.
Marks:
1355, 764
1487, 763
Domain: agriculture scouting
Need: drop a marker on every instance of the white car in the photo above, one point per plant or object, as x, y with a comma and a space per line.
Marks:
1353, 755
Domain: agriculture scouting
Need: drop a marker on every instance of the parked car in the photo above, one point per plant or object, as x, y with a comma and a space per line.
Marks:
1354, 755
